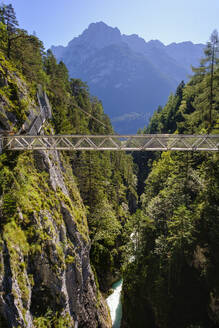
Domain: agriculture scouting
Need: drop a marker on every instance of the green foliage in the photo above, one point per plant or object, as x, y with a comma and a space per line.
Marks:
53, 321
31, 211
176, 237
178, 215
2, 35
200, 99
164, 250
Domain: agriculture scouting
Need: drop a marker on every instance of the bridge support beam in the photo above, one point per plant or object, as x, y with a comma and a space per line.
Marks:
152, 142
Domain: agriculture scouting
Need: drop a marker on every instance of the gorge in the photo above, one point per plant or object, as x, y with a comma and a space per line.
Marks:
67, 218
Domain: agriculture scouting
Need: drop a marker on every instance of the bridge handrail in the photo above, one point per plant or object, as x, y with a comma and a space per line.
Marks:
157, 135
150, 142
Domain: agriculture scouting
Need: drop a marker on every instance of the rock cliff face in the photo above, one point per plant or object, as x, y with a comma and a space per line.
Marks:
46, 278
45, 258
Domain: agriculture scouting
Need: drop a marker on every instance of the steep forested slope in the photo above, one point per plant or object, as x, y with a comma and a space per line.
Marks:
173, 279
65, 220
57, 210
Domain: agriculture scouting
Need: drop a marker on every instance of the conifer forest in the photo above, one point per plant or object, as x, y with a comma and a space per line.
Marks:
74, 222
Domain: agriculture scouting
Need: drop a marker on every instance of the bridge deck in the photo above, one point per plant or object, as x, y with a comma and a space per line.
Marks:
149, 142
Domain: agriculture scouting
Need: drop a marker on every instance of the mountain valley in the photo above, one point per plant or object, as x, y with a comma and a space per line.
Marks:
130, 76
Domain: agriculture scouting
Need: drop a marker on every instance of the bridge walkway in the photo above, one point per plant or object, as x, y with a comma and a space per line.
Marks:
148, 142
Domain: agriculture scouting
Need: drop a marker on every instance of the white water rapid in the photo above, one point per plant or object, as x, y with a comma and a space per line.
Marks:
115, 305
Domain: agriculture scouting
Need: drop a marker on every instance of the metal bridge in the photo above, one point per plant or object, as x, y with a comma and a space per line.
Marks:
33, 139
148, 142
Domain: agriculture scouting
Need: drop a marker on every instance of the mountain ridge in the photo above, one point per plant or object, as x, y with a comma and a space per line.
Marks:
125, 72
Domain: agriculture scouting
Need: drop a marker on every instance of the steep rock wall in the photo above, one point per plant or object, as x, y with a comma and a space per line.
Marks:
46, 278
45, 269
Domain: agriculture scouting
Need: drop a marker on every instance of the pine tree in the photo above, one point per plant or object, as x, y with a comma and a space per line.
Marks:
8, 18
206, 80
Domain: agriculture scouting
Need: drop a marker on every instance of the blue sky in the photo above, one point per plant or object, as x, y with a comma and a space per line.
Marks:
58, 21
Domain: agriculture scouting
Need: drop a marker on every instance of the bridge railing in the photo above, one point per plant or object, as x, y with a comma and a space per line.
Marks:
45, 113
152, 142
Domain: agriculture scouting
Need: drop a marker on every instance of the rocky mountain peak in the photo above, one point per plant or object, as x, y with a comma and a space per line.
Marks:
101, 27
135, 42
119, 68
98, 35
156, 44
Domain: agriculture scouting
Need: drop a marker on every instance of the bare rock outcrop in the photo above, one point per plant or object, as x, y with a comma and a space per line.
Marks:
45, 268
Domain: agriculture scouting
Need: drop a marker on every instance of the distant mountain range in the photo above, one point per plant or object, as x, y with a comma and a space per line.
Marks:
130, 76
